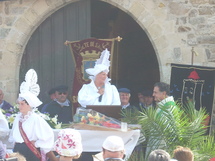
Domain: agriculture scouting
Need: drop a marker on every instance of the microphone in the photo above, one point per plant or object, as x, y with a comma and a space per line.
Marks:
100, 97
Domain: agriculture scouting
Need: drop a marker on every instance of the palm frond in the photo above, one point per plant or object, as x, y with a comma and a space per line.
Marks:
169, 127
205, 149
131, 115
136, 156
177, 125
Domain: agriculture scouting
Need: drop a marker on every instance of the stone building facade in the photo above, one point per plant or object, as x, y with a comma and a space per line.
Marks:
173, 27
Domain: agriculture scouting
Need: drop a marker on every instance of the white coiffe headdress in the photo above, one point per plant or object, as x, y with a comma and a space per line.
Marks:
29, 89
68, 143
101, 65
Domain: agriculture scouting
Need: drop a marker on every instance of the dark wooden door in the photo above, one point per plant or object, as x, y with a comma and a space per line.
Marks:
136, 63
46, 52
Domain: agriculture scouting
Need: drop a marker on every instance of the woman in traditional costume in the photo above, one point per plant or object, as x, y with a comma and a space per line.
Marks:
99, 91
32, 135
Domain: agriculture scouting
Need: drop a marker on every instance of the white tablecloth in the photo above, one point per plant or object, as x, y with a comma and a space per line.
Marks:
92, 139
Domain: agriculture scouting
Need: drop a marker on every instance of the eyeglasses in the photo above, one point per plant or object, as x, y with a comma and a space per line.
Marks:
60, 93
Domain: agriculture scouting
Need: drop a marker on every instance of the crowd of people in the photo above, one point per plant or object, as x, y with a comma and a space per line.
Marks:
33, 138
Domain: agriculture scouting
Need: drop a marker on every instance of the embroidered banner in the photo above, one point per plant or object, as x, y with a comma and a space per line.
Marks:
85, 53
195, 83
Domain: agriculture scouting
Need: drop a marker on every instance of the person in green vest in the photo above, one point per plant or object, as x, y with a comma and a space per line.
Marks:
164, 104
161, 94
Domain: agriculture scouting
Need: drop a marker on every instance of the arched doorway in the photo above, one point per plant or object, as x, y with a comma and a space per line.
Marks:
137, 63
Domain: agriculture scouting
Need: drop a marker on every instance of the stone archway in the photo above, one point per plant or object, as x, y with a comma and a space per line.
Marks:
40, 10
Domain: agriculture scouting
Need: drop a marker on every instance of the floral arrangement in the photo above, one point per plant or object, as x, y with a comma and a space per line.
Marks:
11, 114
52, 121
13, 111
91, 117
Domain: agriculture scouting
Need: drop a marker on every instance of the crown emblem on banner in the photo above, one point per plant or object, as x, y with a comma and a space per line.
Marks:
90, 55
88, 61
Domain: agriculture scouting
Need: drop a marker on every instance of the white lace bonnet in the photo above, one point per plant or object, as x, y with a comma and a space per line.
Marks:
29, 89
68, 143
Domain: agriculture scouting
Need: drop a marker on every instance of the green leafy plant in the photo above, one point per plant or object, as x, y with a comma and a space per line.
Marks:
166, 128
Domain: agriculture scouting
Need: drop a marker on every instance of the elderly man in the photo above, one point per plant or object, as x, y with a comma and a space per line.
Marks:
113, 149
161, 94
61, 105
125, 94
4, 104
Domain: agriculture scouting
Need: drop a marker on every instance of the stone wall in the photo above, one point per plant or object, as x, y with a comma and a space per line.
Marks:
18, 20
174, 27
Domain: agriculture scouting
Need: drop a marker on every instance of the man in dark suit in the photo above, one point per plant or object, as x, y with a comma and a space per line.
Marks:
61, 106
125, 95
